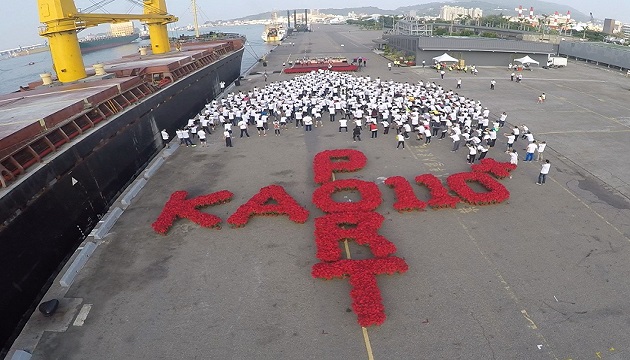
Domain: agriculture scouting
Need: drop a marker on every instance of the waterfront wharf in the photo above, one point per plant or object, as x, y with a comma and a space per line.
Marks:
541, 276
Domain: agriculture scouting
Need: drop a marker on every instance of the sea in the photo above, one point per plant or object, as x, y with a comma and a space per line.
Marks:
19, 71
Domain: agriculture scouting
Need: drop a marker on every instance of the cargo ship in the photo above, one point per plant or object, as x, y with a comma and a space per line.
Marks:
106, 42
70, 145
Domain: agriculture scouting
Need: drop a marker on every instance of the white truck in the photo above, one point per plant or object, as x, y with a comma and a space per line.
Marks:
556, 62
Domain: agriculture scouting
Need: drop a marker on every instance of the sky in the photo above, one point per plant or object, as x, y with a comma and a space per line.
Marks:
23, 29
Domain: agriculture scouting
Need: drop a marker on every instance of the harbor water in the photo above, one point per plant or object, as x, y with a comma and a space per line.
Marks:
19, 71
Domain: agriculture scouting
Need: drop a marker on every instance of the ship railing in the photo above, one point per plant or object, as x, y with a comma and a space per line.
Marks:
21, 156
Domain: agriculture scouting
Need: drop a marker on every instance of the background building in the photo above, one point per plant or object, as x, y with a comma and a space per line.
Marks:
472, 51
450, 13
609, 26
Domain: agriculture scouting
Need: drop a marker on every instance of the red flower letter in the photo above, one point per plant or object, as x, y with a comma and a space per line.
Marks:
331, 229
406, 200
367, 302
324, 166
439, 194
498, 169
178, 207
459, 183
257, 205
370, 196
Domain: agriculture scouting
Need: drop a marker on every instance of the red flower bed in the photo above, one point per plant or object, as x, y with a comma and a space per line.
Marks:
178, 207
258, 205
439, 194
406, 199
498, 169
324, 166
370, 196
331, 229
497, 193
367, 301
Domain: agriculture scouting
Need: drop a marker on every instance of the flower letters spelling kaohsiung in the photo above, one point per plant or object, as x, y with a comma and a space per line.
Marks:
406, 199
491, 166
180, 207
497, 193
347, 220
259, 205
440, 197
352, 221
328, 162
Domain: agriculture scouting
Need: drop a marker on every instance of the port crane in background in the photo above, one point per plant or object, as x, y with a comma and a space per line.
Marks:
61, 21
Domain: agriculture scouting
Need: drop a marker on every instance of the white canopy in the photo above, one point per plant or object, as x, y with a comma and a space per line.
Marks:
527, 60
445, 58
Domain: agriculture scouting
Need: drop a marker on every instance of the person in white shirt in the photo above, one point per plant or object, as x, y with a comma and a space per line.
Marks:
204, 124
385, 124
260, 126
242, 125
202, 138
482, 151
165, 138
472, 153
502, 119
510, 140
543, 172
343, 124
308, 123
531, 149
541, 149
228, 138
186, 136
406, 130
513, 158
401, 141
180, 136
456, 141
427, 135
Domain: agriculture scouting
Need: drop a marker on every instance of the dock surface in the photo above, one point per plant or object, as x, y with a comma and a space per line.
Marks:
542, 276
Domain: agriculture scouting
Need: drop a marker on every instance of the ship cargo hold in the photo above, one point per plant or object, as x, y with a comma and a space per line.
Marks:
68, 150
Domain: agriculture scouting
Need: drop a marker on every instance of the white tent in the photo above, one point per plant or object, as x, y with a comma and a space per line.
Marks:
445, 58
527, 60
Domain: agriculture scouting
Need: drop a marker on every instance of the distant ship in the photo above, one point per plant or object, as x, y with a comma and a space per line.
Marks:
274, 32
120, 34
105, 42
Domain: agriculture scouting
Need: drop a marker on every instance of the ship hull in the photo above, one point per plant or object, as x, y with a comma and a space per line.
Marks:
67, 197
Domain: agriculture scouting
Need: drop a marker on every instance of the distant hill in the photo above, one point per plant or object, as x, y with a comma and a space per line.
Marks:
498, 6
492, 7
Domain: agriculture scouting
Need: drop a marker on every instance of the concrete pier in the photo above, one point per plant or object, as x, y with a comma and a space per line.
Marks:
542, 276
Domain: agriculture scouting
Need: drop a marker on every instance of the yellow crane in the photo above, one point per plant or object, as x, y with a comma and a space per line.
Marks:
62, 21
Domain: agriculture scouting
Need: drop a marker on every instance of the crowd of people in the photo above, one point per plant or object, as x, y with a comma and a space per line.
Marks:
416, 112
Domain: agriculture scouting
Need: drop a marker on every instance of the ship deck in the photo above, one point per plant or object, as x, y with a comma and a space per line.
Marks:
27, 116
543, 276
